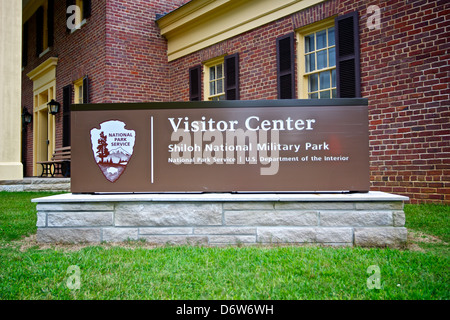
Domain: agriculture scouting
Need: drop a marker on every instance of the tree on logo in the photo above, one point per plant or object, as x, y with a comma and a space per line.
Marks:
102, 148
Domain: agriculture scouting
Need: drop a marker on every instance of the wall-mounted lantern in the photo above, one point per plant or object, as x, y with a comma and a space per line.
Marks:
26, 116
53, 107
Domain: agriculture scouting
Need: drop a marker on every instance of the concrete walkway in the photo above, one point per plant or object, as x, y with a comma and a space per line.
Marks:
36, 184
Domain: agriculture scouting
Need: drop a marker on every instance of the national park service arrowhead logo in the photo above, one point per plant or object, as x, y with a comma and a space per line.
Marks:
112, 146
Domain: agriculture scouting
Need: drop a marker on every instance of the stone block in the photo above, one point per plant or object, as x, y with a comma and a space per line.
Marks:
271, 218
231, 239
175, 240
314, 206
399, 218
334, 235
120, 234
248, 206
79, 219
168, 214
12, 188
380, 237
286, 235
165, 231
356, 218
68, 235
43, 181
46, 187
379, 205
225, 230
81, 206
12, 182
41, 219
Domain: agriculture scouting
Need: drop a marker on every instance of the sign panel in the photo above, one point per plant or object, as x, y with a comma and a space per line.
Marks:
225, 146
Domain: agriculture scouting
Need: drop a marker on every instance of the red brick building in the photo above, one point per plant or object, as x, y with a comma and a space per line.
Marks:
394, 53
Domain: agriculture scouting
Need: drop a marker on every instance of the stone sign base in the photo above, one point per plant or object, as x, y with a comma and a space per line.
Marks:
353, 219
36, 184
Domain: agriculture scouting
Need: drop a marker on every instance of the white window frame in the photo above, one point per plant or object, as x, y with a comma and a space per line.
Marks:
78, 91
213, 63
303, 75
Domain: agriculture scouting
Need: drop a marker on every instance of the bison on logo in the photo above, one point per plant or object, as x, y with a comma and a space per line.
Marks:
112, 146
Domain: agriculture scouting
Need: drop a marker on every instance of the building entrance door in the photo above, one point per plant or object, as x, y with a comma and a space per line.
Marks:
44, 87
42, 139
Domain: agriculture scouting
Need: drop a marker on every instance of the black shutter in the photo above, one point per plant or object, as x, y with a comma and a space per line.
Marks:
195, 86
86, 9
285, 67
39, 30
86, 90
67, 100
231, 66
25, 45
347, 56
50, 22
69, 14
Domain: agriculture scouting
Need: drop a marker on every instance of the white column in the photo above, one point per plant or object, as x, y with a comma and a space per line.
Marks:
10, 89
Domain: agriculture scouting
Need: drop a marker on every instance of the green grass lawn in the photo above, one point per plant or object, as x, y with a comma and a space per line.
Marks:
137, 271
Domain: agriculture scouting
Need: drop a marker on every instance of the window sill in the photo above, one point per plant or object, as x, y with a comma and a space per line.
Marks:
78, 26
216, 97
43, 53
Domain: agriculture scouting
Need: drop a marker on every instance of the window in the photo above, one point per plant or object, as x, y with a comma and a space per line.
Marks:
220, 81
79, 4
40, 29
320, 64
329, 69
41, 39
78, 89
50, 22
319, 58
80, 96
85, 10
215, 81
81, 91
44, 27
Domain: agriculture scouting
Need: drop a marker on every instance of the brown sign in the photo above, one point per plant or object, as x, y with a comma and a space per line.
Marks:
227, 146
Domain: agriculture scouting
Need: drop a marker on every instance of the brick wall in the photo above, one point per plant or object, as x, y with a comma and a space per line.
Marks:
136, 58
404, 74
